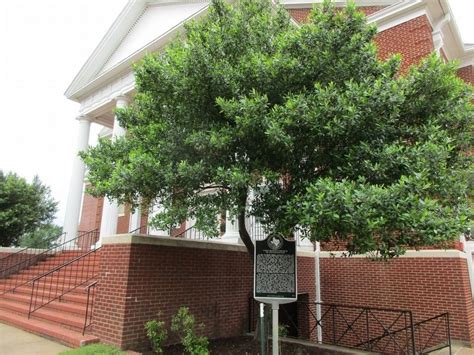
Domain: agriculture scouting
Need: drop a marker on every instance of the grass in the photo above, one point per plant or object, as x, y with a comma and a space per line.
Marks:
94, 349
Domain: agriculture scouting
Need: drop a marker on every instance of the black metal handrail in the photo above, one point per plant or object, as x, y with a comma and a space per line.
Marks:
12, 277
425, 343
429, 342
10, 261
375, 329
78, 271
89, 303
12, 254
140, 230
192, 233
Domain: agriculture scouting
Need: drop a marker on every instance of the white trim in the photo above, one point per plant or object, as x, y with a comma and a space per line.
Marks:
180, 242
10, 249
81, 86
108, 43
469, 249
432, 253
397, 14
295, 4
13, 250
467, 60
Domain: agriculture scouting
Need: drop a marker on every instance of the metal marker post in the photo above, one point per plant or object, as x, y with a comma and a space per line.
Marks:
275, 307
262, 329
275, 276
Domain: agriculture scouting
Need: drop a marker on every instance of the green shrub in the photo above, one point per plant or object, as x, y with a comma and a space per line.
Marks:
283, 330
157, 334
183, 323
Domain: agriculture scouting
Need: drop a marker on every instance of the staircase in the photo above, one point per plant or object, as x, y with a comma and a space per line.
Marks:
54, 296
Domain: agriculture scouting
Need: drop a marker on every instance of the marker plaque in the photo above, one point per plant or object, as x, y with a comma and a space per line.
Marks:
275, 270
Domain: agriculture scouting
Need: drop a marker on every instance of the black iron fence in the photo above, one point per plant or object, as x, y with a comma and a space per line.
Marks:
33, 262
90, 289
379, 330
25, 257
63, 279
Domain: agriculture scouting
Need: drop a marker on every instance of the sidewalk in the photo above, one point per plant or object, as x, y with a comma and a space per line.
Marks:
14, 341
456, 350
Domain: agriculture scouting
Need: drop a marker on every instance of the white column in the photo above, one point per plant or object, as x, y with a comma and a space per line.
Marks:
76, 186
231, 234
108, 224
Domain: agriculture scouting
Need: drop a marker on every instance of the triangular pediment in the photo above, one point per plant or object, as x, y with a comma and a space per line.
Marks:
139, 28
155, 21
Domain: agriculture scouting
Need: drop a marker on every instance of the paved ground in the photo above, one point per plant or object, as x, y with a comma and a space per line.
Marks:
456, 350
14, 341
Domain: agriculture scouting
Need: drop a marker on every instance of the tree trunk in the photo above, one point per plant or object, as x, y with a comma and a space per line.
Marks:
244, 235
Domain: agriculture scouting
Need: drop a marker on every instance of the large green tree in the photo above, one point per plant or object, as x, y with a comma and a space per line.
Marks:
24, 207
44, 236
327, 138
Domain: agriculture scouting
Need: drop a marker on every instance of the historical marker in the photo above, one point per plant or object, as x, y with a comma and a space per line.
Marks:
275, 270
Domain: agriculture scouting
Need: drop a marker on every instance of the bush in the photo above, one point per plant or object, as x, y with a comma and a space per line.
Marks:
183, 323
157, 334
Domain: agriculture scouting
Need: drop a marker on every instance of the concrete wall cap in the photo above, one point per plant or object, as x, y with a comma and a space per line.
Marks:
183, 243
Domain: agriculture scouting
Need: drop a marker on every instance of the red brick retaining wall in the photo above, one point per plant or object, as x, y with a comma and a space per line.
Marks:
427, 286
467, 74
140, 280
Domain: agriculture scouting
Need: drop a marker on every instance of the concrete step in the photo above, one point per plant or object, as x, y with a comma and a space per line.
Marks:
25, 298
46, 284
44, 328
69, 270
44, 289
72, 308
20, 278
52, 315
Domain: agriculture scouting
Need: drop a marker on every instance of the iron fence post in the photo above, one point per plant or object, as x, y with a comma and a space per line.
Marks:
449, 332
367, 328
333, 325
412, 332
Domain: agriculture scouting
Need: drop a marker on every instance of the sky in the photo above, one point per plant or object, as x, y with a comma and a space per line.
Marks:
43, 46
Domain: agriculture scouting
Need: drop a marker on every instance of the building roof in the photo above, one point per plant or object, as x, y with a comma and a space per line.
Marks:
147, 25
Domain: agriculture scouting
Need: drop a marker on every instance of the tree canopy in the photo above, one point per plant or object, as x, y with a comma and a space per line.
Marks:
44, 236
24, 207
327, 138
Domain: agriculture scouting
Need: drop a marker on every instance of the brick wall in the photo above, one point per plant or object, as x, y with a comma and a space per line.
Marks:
91, 213
301, 15
123, 222
412, 39
467, 74
140, 280
5, 263
426, 285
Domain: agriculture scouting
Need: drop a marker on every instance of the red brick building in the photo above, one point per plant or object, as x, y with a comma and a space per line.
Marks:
147, 271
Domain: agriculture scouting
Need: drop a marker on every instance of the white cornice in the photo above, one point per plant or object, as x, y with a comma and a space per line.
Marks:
397, 14
295, 4
125, 64
432, 253
158, 240
109, 42
467, 60
88, 80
